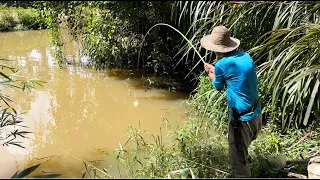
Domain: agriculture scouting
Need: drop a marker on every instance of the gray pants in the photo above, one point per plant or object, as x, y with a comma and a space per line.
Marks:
239, 141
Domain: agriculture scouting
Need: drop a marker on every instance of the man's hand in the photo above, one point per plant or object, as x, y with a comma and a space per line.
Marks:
211, 76
209, 68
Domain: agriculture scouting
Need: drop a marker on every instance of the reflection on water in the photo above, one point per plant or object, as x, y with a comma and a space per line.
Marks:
78, 111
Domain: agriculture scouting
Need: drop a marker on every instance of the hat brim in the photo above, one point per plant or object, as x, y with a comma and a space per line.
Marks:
208, 44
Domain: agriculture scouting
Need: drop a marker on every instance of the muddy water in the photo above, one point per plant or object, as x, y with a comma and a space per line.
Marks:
78, 112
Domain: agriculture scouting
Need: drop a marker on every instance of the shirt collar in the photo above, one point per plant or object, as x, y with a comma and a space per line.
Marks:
232, 53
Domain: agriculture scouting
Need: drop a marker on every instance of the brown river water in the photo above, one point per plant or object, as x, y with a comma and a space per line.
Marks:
79, 111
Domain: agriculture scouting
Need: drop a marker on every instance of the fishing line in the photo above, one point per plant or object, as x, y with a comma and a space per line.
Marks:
163, 24
208, 166
86, 162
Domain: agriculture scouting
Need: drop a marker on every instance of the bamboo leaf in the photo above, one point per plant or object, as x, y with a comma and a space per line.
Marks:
46, 176
25, 172
5, 76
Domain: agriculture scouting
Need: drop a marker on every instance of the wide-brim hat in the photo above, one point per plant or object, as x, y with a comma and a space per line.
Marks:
220, 41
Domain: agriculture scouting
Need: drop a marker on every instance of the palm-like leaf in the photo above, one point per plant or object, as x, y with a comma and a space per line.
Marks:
293, 69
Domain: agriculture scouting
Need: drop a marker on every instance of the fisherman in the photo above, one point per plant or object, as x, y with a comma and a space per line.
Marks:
235, 71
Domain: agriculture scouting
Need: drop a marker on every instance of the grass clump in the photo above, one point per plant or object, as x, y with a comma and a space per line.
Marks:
7, 22
198, 145
194, 145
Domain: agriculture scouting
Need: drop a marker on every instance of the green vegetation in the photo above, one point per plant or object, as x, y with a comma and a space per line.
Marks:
18, 18
111, 32
282, 37
196, 146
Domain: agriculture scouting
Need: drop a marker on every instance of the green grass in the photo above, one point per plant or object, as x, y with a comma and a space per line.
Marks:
200, 146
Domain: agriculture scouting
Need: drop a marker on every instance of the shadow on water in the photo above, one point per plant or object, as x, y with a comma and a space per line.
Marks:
149, 82
171, 90
166, 96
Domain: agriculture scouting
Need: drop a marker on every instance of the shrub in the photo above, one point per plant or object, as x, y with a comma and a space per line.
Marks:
7, 22
28, 20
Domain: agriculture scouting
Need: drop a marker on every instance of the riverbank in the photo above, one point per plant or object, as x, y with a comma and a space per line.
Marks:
198, 144
18, 19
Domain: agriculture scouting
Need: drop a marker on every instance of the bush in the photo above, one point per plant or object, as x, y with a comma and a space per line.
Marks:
13, 18
7, 22
28, 20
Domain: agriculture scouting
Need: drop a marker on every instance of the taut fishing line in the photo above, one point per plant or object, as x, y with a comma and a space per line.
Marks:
163, 24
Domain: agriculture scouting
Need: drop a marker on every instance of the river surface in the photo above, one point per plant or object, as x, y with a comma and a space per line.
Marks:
79, 111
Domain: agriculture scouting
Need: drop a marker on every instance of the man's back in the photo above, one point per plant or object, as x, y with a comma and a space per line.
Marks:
237, 72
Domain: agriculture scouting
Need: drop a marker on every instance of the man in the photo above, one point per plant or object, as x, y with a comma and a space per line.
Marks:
235, 71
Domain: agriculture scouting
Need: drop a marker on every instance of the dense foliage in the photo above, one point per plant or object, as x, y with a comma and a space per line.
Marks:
111, 34
18, 4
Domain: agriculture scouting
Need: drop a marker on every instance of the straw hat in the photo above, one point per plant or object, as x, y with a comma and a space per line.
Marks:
220, 41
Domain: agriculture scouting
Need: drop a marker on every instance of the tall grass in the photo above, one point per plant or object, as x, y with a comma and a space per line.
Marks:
197, 145
188, 149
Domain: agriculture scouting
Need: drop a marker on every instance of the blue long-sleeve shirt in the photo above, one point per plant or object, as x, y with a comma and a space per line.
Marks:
236, 72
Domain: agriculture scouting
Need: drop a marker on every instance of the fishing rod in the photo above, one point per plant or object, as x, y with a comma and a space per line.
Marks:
163, 24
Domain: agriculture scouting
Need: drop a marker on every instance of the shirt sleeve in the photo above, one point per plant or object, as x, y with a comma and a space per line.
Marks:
218, 82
